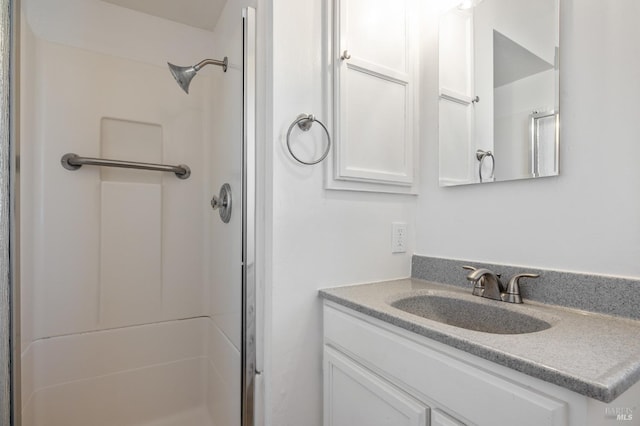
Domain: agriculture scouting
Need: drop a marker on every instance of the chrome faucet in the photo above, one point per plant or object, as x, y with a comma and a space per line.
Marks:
492, 285
488, 284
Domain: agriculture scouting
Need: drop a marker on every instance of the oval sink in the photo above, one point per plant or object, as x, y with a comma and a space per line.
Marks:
471, 315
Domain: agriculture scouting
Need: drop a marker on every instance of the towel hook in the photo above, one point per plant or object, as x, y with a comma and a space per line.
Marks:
304, 122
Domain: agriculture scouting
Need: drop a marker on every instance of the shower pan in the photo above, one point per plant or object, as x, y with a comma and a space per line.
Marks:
136, 300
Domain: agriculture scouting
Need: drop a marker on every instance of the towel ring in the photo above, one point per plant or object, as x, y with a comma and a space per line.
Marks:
304, 122
481, 156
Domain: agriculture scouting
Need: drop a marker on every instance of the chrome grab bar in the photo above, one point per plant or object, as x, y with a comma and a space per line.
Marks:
72, 161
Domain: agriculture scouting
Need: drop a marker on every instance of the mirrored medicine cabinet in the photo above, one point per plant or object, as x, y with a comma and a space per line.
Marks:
499, 96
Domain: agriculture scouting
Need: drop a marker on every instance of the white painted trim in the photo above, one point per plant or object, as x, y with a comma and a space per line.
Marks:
264, 208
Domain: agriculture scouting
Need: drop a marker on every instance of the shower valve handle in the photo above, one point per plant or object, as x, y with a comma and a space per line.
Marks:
217, 203
222, 203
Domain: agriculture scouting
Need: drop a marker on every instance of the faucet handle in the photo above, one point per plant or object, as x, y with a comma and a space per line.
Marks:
512, 294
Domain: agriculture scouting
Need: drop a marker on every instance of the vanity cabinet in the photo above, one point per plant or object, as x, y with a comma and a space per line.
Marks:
379, 374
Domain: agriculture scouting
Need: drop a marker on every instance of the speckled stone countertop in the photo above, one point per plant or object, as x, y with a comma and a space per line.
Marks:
592, 354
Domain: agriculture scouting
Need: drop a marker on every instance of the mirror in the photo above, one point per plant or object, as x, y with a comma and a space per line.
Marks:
499, 97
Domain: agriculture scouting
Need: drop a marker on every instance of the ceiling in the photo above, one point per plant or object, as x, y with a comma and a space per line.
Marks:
512, 62
196, 13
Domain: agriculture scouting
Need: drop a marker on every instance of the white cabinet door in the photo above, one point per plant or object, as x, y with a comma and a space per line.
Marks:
456, 118
353, 396
375, 91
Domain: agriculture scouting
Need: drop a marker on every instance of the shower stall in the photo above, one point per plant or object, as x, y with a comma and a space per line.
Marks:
137, 213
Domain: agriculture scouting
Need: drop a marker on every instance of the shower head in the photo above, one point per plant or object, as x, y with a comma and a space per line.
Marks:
184, 75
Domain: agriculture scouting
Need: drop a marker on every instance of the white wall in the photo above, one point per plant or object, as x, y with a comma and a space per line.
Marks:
587, 219
584, 220
321, 238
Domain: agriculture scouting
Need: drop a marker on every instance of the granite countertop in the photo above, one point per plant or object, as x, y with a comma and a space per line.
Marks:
592, 354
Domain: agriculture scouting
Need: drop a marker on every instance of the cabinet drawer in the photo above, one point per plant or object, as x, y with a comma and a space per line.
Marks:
463, 388
354, 396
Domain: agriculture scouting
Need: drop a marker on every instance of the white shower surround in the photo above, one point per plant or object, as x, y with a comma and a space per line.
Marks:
177, 362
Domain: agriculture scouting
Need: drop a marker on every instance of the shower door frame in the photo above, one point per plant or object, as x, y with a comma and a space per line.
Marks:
248, 351
9, 203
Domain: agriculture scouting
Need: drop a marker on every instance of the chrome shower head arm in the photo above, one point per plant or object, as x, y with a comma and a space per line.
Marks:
223, 63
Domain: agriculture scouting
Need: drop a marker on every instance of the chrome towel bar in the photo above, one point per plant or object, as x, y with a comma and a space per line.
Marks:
72, 161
